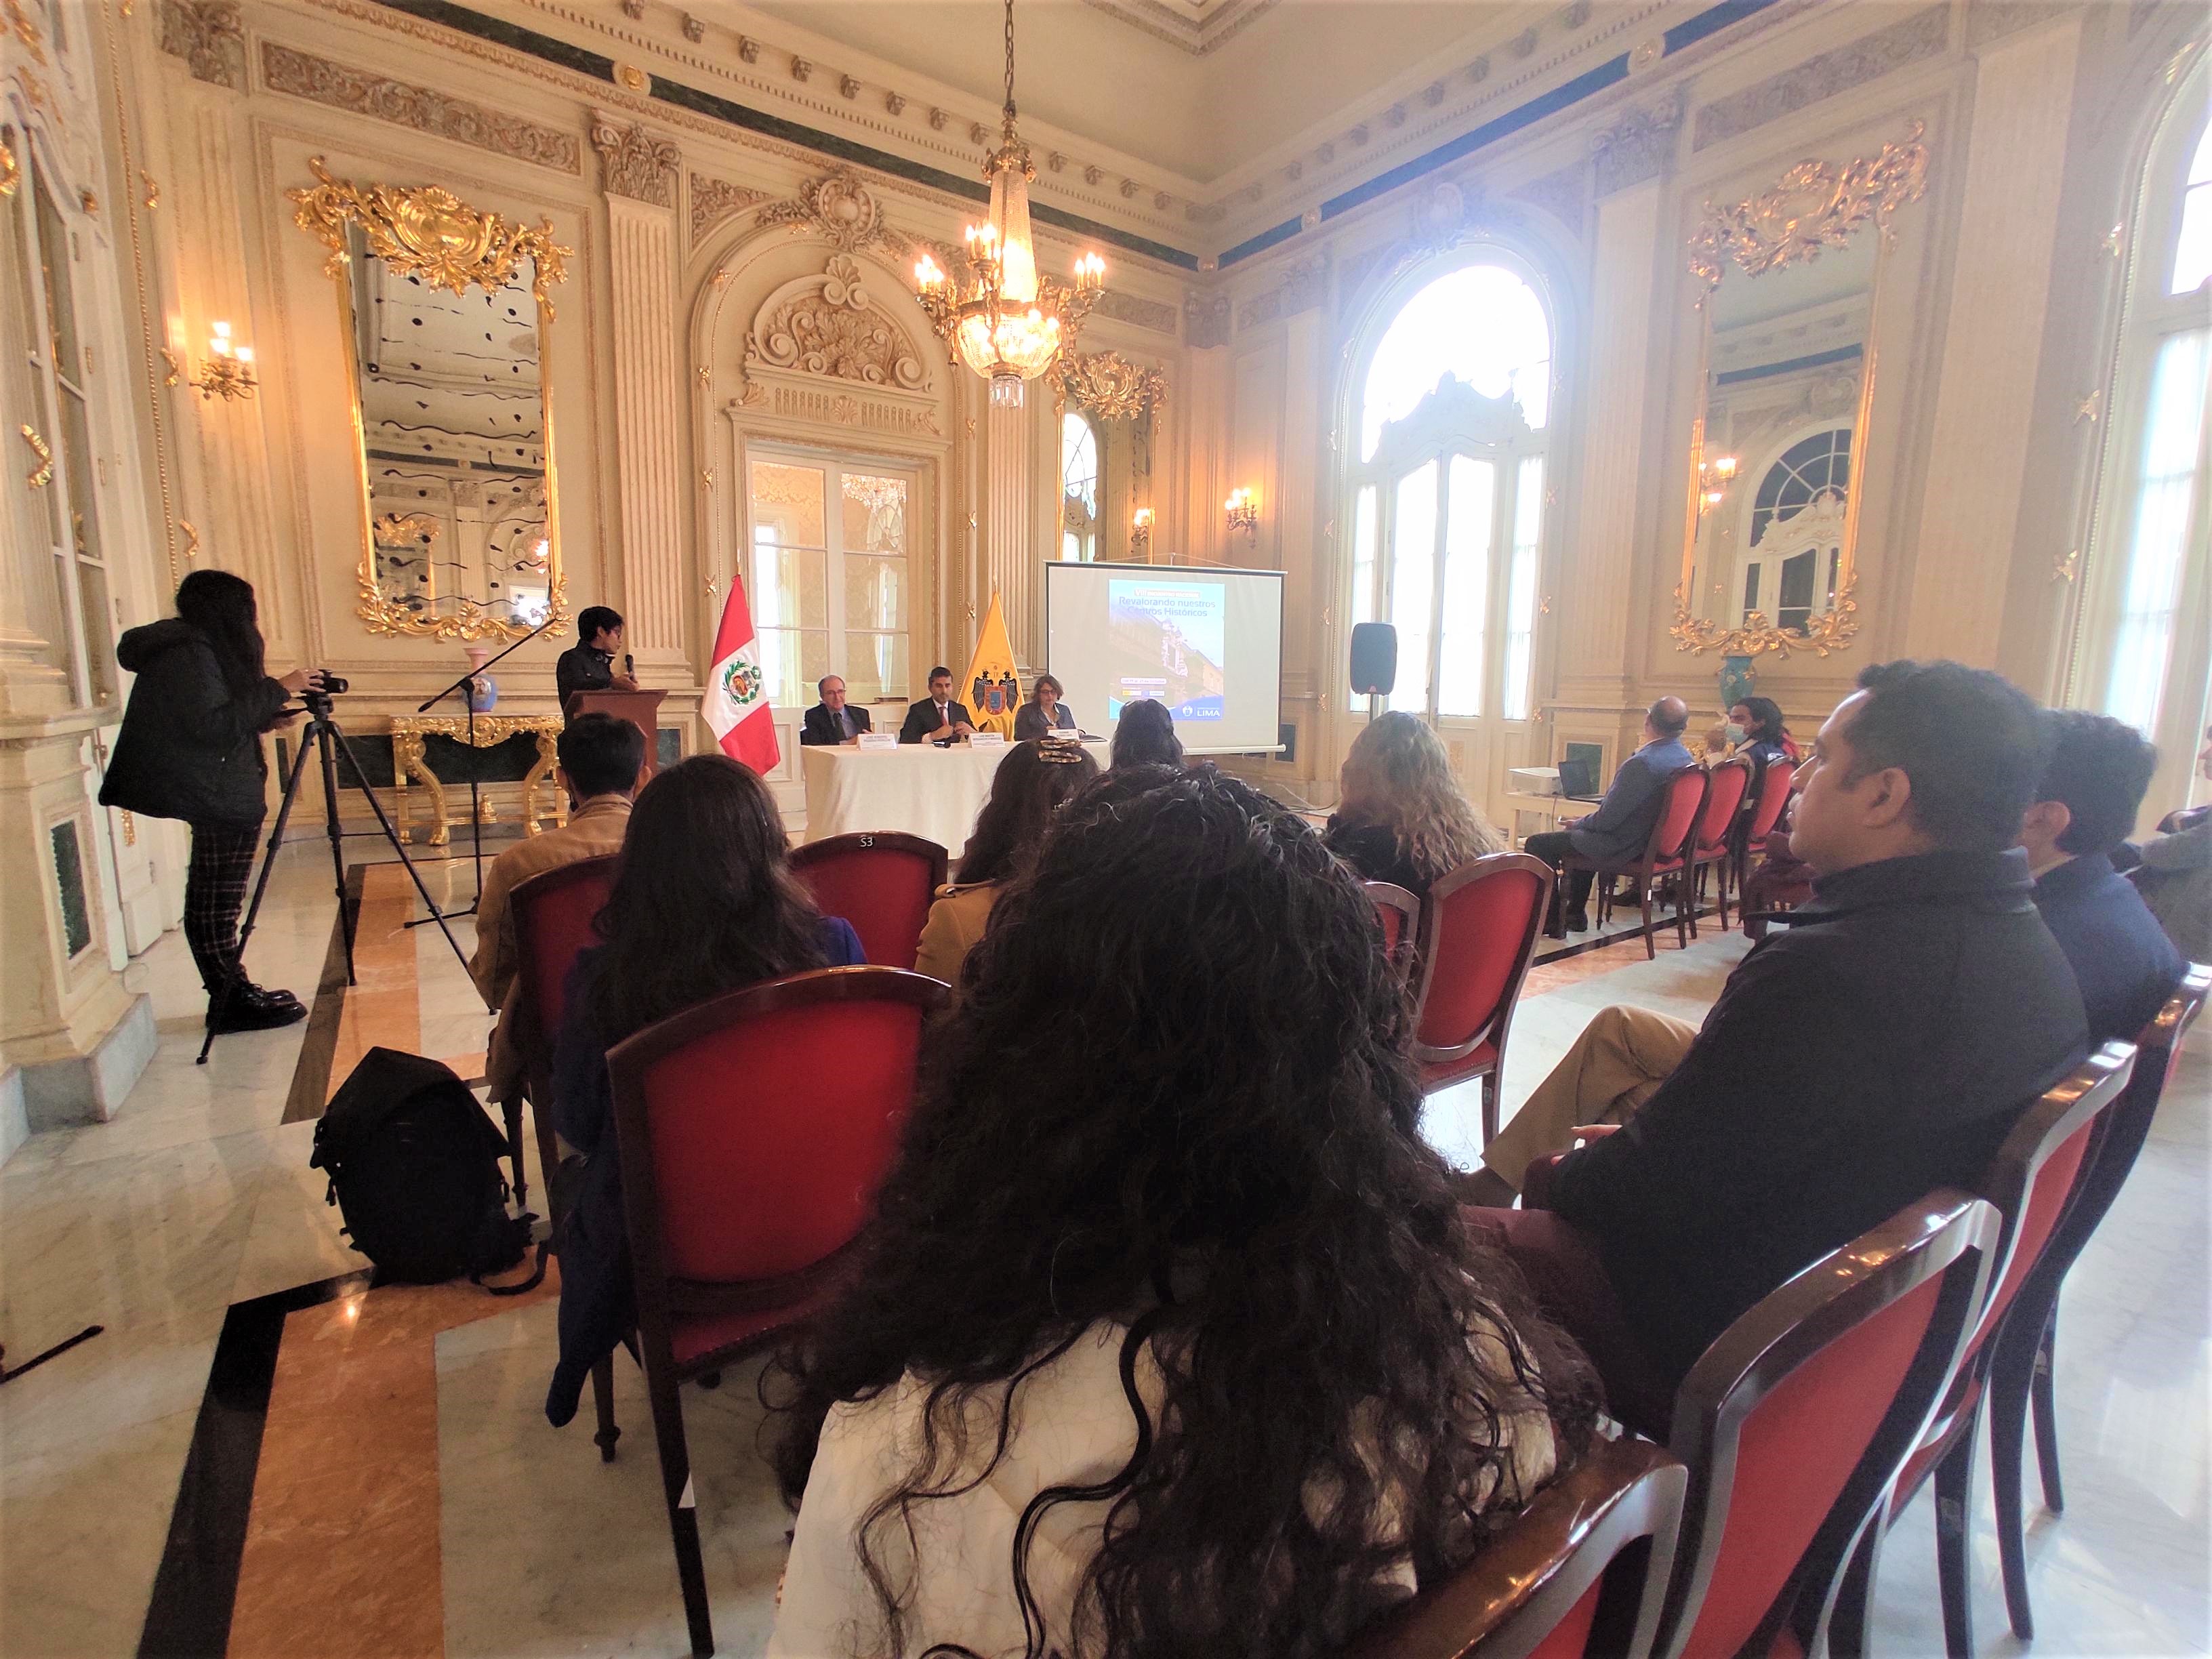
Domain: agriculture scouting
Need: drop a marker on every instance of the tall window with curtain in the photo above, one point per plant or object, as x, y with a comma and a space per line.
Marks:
1078, 489
829, 580
1448, 495
2146, 633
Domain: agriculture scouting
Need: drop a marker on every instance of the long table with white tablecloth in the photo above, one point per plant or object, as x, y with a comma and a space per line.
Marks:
916, 787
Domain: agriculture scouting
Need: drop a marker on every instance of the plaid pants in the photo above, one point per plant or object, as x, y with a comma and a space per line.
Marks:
214, 892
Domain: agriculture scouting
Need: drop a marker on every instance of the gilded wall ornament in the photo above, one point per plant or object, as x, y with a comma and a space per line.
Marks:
340, 87
1831, 630
25, 28
829, 326
11, 171
209, 35
1106, 384
843, 211
428, 232
42, 469
635, 163
1812, 208
389, 618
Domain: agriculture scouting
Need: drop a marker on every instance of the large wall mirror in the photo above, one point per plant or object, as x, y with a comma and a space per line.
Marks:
1107, 409
1786, 285
444, 311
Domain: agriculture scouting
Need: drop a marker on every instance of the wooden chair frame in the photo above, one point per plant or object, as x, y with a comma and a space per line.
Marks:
536, 1043
1721, 857
879, 841
1948, 1233
1498, 1025
1644, 868
1388, 896
1611, 1519
1945, 1447
661, 1297
2022, 1367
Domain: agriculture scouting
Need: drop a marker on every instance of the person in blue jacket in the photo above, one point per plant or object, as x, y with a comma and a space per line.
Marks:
703, 902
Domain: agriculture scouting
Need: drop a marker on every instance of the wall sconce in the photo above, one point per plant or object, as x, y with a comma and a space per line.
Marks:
1243, 507
1140, 532
228, 371
1714, 477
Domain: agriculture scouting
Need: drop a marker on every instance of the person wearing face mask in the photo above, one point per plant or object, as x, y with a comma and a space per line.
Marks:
1754, 728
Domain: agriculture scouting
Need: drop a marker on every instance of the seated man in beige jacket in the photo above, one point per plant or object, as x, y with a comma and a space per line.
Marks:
600, 757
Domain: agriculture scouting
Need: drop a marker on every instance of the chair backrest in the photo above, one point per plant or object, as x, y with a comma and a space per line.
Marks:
1725, 785
755, 1128
1682, 798
1770, 796
882, 881
553, 914
1479, 931
1796, 1418
1581, 1571
1400, 913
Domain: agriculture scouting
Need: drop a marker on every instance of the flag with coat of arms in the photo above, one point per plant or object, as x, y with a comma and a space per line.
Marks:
737, 690
994, 689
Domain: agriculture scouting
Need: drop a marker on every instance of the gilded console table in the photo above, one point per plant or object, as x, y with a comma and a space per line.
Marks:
539, 788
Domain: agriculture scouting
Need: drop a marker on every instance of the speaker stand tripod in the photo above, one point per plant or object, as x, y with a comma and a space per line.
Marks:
322, 738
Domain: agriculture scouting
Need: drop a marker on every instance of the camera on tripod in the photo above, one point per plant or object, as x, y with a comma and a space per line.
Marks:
319, 698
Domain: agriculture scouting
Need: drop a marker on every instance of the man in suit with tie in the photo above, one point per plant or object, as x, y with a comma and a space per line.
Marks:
833, 721
938, 715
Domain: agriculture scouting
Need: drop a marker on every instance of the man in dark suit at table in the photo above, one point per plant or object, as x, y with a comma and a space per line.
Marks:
1623, 821
939, 714
833, 721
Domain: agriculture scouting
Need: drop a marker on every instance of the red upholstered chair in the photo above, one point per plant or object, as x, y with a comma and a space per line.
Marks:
1479, 931
2028, 1183
1581, 1574
753, 1131
1712, 846
2022, 1368
553, 914
1770, 794
1663, 858
879, 880
1400, 913
1793, 1422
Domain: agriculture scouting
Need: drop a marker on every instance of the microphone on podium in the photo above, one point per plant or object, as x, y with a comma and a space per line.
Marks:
630, 666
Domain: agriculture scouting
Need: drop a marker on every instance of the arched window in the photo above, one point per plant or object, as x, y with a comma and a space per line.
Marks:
1793, 556
1448, 490
2147, 616
1078, 489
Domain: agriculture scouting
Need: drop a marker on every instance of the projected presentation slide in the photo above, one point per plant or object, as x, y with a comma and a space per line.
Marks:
1207, 643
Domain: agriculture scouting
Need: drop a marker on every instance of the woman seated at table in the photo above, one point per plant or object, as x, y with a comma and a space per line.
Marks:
703, 902
1030, 786
1144, 736
1400, 815
1167, 1338
1044, 713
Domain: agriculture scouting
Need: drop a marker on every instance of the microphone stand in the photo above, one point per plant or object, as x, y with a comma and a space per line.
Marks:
466, 686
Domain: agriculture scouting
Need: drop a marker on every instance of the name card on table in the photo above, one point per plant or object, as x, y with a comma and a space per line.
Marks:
988, 740
879, 740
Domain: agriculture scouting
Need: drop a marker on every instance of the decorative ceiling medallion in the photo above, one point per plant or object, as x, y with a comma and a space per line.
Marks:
429, 233
1108, 385
1812, 208
1832, 631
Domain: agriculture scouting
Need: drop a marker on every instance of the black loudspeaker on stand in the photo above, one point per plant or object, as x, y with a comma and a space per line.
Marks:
1374, 663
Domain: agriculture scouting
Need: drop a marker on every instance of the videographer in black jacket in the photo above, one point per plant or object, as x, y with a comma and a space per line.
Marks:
190, 748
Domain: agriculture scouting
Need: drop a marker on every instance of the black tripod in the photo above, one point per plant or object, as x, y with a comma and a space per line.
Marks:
326, 741
466, 685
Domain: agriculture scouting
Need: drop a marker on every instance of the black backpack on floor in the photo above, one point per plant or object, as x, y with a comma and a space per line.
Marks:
414, 1168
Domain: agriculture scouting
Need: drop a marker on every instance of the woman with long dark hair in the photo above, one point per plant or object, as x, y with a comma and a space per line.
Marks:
703, 902
190, 748
1755, 724
1167, 1338
1030, 785
1044, 713
1401, 815
1144, 736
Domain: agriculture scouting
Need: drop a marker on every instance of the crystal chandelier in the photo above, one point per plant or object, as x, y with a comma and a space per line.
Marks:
995, 313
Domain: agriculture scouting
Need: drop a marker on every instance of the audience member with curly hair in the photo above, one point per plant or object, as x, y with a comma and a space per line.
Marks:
1167, 1338
1400, 816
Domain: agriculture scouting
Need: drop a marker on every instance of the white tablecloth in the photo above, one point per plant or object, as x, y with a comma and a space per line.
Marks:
916, 787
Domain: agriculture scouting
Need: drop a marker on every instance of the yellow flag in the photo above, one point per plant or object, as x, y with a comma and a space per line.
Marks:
991, 690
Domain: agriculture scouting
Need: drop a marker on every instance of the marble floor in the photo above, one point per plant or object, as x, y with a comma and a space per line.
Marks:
262, 1455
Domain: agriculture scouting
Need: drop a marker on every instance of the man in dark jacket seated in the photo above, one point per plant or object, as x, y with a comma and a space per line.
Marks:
1623, 821
938, 716
833, 721
1880, 1045
2084, 807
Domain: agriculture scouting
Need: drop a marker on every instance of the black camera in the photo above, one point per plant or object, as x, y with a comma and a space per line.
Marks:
335, 684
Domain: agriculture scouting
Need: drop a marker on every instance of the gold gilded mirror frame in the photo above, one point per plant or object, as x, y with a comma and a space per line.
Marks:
430, 234
1107, 387
1812, 208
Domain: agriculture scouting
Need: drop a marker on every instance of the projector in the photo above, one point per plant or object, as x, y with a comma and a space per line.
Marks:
1532, 780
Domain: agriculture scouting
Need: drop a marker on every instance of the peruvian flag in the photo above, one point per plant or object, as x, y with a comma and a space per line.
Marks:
737, 691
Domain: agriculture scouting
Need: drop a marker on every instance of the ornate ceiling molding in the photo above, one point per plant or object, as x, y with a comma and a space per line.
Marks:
209, 35
1638, 145
339, 87
1158, 315
635, 163
713, 200
1923, 35
843, 212
1197, 26
829, 326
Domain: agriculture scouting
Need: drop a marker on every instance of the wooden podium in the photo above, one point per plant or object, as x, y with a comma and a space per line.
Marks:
641, 708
